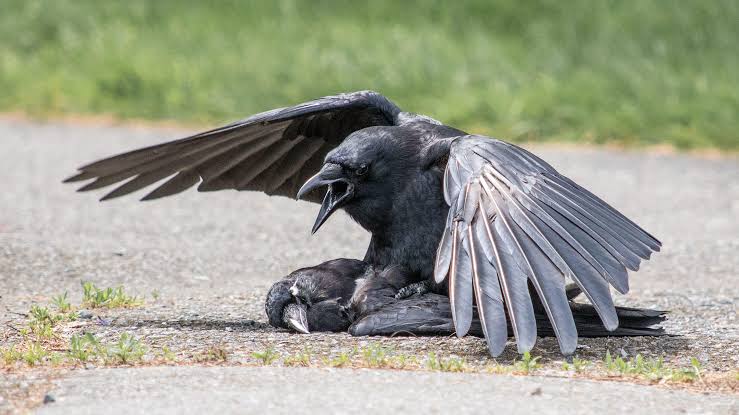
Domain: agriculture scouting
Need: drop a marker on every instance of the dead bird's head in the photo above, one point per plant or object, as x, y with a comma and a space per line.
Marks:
313, 299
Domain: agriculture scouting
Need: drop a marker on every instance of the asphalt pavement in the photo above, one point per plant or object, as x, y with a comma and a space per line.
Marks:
211, 257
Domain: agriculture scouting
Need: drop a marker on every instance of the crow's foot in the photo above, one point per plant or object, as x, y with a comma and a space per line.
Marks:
422, 287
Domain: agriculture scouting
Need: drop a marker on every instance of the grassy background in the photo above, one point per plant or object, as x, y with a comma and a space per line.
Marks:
643, 72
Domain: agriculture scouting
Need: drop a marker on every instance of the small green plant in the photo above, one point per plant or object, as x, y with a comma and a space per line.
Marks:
127, 349
690, 374
31, 353
41, 322
213, 354
376, 355
635, 366
10, 355
79, 348
61, 303
35, 353
298, 359
266, 356
578, 365
86, 347
168, 354
499, 369
94, 297
450, 364
401, 361
652, 369
527, 364
155, 294
341, 360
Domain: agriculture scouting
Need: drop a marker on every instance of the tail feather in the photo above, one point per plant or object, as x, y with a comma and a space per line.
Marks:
632, 322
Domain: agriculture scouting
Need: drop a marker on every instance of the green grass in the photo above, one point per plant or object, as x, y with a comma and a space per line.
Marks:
450, 364
652, 369
266, 356
212, 354
635, 72
109, 297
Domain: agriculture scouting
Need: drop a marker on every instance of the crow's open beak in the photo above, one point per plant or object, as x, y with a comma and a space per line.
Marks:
296, 317
340, 190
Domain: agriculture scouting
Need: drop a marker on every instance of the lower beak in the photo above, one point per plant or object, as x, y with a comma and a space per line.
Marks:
296, 317
340, 190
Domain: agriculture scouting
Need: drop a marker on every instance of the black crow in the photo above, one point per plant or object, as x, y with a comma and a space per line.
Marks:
314, 298
487, 216
376, 306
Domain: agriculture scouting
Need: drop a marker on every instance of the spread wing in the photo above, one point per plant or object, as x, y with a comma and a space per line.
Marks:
274, 152
514, 222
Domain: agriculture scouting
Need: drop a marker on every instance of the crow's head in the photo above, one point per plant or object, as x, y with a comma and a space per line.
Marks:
363, 174
296, 307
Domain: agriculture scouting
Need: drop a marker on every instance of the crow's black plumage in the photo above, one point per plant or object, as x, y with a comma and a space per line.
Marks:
313, 298
487, 217
370, 307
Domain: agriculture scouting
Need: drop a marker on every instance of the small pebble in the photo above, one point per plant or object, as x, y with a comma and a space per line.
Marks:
84, 314
48, 398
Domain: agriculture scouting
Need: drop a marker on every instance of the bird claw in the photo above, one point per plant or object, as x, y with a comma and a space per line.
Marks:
419, 288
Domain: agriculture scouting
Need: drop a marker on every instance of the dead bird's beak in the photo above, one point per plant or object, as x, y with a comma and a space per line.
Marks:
296, 317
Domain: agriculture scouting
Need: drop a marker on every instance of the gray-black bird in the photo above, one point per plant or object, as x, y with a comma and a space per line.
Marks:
314, 298
375, 304
488, 217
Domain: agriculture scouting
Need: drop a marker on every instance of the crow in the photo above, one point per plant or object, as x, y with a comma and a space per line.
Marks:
375, 305
315, 297
479, 218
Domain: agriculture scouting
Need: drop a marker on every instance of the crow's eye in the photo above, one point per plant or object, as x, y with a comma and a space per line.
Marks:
362, 170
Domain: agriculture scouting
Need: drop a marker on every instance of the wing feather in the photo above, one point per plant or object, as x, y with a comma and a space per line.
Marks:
490, 307
224, 157
521, 222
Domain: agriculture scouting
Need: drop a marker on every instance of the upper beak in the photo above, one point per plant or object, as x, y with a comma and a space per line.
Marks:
296, 317
340, 190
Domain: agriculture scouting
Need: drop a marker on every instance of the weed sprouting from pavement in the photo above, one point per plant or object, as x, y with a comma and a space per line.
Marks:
527, 364
375, 355
95, 297
80, 348
341, 360
578, 365
41, 322
168, 355
266, 356
303, 359
61, 303
35, 354
652, 369
212, 354
450, 364
127, 349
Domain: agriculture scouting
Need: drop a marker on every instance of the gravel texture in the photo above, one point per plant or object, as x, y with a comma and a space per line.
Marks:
210, 259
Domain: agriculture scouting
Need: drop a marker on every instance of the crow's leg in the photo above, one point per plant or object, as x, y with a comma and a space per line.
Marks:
421, 287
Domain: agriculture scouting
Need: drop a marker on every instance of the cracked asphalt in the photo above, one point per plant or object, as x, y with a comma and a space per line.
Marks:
210, 259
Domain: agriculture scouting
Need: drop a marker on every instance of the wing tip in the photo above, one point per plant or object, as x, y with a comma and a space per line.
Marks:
78, 177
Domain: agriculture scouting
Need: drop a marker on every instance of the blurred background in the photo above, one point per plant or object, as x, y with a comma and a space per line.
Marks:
624, 72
